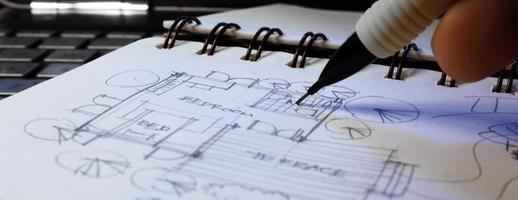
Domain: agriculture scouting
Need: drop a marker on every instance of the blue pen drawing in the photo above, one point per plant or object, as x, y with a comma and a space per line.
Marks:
192, 136
506, 134
486, 105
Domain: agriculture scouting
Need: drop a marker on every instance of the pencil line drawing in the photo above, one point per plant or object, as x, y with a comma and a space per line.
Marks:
506, 185
505, 134
348, 129
99, 164
237, 191
163, 180
190, 135
216, 127
486, 105
382, 110
476, 162
133, 78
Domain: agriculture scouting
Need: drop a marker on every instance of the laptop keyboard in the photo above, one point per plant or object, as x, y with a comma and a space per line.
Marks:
29, 57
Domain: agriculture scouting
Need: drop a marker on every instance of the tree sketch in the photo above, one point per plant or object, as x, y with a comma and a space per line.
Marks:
349, 129
233, 137
98, 164
382, 110
164, 180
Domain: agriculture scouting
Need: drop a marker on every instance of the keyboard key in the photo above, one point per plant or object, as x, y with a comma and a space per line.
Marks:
121, 34
10, 86
159, 34
55, 69
17, 69
80, 34
21, 55
103, 52
35, 33
17, 42
5, 32
62, 43
109, 43
77, 55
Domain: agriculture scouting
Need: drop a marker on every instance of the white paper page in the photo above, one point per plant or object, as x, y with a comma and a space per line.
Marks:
294, 21
146, 123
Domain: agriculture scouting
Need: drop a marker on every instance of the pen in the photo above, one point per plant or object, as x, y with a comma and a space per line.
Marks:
383, 29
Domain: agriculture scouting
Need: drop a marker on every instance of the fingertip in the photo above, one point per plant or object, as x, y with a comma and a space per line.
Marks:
476, 39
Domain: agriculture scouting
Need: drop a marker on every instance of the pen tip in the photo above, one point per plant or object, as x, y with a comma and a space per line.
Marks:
302, 99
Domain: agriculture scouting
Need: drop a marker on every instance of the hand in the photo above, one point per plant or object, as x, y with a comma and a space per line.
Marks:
477, 38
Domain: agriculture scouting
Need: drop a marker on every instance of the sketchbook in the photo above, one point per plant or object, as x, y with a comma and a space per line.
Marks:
146, 122
294, 20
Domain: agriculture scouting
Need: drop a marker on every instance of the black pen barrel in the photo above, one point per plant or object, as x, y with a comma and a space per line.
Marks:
350, 58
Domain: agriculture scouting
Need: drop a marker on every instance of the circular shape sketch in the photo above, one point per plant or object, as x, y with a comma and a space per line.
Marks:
348, 129
274, 83
133, 78
300, 87
382, 110
163, 180
336, 92
51, 129
98, 164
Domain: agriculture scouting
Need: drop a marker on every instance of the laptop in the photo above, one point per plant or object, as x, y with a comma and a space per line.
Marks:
40, 40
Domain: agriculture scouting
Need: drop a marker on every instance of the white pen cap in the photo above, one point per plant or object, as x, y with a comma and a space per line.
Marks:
391, 24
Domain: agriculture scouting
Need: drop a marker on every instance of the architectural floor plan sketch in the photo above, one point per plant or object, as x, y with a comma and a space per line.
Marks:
215, 136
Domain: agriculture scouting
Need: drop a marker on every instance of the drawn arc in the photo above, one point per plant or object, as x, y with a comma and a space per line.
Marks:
381, 109
132, 79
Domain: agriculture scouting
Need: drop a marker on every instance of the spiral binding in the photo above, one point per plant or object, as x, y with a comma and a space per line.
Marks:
176, 27
215, 36
302, 41
396, 58
447, 83
499, 87
305, 45
257, 55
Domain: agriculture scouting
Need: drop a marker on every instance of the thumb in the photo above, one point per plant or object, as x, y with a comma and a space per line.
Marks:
477, 38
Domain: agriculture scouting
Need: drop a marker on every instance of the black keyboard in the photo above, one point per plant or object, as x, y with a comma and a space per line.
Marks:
29, 57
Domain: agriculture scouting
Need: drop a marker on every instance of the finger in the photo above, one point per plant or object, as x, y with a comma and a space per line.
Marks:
477, 38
